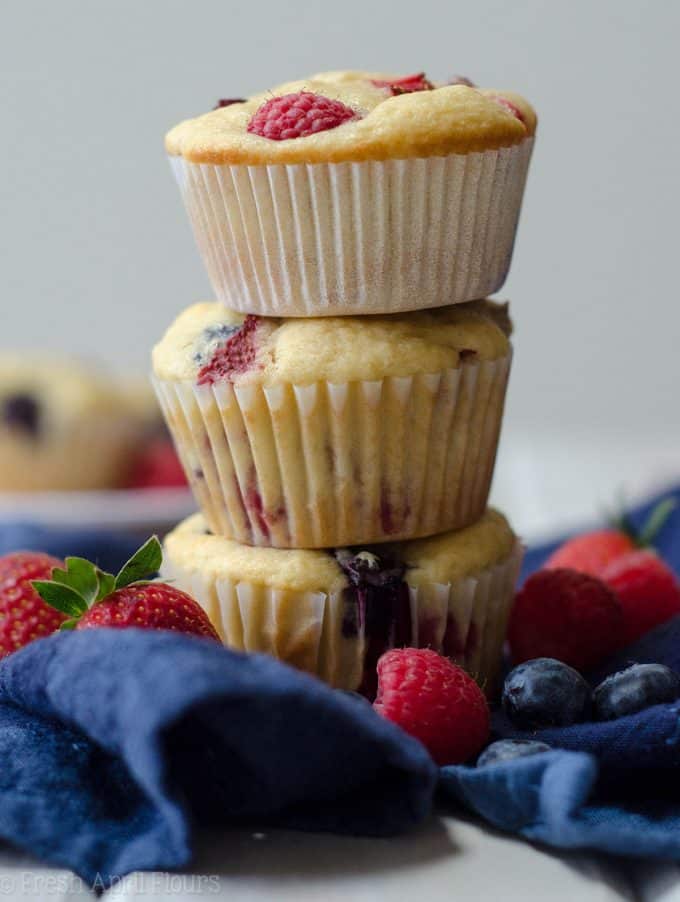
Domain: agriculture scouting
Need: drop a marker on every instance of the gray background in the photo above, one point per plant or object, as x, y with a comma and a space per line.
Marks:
97, 256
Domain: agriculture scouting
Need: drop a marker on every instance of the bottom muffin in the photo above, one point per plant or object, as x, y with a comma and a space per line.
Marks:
333, 613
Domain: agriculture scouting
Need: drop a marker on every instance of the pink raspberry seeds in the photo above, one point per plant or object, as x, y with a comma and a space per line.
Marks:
298, 116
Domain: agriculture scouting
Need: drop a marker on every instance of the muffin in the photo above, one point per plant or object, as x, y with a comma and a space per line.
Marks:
63, 426
333, 613
322, 432
355, 192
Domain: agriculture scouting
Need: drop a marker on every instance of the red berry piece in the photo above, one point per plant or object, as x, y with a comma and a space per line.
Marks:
406, 85
648, 591
591, 552
509, 106
228, 101
434, 700
24, 616
157, 466
298, 116
566, 615
91, 598
236, 355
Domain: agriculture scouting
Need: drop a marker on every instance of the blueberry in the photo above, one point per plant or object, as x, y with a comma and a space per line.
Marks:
22, 412
545, 692
365, 568
507, 749
356, 696
634, 689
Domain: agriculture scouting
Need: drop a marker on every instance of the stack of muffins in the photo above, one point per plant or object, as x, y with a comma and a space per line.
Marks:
338, 410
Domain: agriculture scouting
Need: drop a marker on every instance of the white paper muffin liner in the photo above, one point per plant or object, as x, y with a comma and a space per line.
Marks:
465, 620
330, 239
332, 464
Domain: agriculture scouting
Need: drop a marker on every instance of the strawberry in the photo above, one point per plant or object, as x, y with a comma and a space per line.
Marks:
298, 116
434, 700
89, 597
648, 590
157, 465
593, 552
566, 615
24, 616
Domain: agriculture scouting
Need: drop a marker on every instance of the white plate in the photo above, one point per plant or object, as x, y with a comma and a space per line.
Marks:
134, 510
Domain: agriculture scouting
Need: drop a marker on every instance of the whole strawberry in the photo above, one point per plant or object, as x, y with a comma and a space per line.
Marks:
89, 597
24, 616
593, 552
566, 615
434, 700
648, 591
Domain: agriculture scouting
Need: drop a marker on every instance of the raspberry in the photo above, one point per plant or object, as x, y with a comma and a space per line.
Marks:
236, 355
406, 85
298, 116
566, 615
434, 700
647, 589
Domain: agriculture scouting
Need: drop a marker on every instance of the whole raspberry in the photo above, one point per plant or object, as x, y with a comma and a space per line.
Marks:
648, 590
566, 615
298, 116
434, 700
236, 355
406, 85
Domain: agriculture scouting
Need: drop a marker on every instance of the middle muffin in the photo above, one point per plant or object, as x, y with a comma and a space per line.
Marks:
312, 433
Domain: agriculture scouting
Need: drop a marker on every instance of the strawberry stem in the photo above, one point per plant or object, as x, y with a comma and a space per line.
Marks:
657, 519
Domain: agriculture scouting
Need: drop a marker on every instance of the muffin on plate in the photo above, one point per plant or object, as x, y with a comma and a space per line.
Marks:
322, 432
333, 613
63, 426
355, 192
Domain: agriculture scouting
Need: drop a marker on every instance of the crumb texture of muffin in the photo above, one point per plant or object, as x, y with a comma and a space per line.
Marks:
334, 612
63, 425
383, 122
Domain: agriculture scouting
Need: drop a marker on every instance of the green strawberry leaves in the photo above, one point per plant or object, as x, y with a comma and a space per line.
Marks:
645, 537
82, 584
145, 561
61, 597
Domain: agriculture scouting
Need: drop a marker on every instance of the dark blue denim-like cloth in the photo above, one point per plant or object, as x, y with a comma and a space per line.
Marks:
114, 743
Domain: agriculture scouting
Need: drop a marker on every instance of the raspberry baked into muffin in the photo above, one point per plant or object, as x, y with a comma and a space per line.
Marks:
356, 192
322, 432
63, 426
333, 613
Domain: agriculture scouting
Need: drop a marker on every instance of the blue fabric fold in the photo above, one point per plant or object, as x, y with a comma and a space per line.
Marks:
614, 786
115, 742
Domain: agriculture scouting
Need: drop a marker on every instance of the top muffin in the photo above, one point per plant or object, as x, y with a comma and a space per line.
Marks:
354, 116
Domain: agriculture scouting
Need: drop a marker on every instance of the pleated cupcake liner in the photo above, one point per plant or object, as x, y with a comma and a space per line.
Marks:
333, 464
354, 238
466, 620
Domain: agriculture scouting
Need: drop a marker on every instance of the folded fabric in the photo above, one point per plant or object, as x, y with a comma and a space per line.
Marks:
611, 786
114, 742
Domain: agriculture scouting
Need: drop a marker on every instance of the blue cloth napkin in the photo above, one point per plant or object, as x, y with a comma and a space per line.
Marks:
610, 786
115, 742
